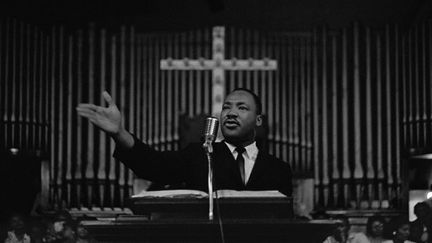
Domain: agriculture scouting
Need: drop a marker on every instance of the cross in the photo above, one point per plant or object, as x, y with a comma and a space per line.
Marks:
218, 64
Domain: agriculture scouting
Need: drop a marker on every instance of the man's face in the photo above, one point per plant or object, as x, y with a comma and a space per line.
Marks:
403, 232
377, 228
16, 222
239, 118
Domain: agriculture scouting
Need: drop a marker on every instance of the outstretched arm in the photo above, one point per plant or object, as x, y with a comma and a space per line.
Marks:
108, 119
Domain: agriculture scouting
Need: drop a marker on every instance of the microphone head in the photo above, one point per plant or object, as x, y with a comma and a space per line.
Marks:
211, 128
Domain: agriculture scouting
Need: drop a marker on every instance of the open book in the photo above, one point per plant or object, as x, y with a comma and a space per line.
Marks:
194, 204
201, 194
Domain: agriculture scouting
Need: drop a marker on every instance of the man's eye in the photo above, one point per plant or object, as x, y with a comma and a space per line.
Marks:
243, 108
224, 107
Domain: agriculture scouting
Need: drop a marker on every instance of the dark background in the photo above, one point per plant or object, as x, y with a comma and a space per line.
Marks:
187, 14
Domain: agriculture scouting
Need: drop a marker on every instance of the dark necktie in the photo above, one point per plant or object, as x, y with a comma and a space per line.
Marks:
240, 162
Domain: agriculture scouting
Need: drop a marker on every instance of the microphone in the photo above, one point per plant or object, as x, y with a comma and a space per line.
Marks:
210, 130
210, 133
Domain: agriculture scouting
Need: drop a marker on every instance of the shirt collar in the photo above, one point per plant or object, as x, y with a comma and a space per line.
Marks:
251, 149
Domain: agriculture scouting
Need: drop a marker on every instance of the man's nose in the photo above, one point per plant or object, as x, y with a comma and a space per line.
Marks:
232, 113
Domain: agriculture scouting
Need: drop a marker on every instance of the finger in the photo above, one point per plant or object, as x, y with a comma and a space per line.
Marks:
87, 114
108, 98
85, 109
84, 115
88, 106
92, 109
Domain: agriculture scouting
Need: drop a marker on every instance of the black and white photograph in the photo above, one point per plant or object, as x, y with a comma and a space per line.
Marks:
216, 121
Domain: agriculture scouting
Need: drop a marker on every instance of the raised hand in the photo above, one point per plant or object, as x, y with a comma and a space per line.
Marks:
106, 118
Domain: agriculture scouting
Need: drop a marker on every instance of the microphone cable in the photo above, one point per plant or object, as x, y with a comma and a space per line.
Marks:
221, 229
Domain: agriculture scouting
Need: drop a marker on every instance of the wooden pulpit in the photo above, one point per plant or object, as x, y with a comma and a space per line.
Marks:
179, 219
227, 208
201, 230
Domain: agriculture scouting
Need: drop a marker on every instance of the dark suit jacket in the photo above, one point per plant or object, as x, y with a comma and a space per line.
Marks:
189, 166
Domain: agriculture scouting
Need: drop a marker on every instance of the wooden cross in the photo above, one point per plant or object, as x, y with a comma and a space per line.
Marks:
218, 64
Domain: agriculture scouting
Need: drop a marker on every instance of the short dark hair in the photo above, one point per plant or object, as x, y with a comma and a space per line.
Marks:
256, 98
420, 205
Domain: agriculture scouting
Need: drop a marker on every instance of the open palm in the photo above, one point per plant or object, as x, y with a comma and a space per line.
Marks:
106, 118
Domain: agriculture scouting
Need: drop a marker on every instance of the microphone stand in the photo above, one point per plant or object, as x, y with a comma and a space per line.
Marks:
208, 147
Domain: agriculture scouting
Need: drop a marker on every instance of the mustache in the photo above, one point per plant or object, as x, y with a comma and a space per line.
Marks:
231, 120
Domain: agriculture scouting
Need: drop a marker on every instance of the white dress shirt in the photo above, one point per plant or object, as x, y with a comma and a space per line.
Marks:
249, 156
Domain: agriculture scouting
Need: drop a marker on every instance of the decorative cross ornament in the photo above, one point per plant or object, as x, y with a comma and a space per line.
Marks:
218, 65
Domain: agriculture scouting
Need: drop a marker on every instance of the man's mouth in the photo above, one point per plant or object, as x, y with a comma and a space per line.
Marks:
231, 124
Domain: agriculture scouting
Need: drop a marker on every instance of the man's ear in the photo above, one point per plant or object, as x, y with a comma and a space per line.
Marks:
258, 120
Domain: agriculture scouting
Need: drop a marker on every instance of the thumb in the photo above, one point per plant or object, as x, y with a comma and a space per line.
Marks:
107, 98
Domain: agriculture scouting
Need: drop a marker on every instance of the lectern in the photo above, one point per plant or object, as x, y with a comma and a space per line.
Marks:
232, 207
186, 220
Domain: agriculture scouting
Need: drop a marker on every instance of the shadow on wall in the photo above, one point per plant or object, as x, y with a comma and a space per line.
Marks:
20, 181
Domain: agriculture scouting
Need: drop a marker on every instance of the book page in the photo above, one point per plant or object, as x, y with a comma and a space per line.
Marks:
201, 194
171, 194
249, 194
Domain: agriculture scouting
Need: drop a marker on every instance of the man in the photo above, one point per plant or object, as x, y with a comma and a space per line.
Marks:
241, 114
421, 228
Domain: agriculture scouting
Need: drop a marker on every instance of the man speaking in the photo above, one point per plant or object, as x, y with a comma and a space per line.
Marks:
238, 164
